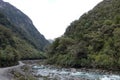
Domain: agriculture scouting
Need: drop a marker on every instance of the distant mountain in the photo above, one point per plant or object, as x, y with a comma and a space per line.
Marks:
23, 26
92, 41
50, 40
19, 39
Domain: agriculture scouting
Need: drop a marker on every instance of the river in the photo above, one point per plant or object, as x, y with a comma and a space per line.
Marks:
54, 73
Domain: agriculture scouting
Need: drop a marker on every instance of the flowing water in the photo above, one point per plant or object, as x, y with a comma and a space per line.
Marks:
53, 73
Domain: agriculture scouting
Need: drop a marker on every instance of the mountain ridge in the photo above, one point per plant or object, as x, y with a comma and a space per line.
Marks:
25, 25
19, 39
92, 41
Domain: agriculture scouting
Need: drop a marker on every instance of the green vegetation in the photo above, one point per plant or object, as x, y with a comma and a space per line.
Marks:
13, 47
20, 24
93, 41
8, 54
26, 50
24, 74
19, 39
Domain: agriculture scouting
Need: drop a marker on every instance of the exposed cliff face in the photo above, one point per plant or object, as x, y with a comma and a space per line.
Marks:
23, 26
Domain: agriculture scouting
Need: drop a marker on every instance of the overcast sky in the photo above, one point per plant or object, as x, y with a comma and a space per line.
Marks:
52, 17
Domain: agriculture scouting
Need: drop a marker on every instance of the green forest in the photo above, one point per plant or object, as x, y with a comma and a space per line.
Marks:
13, 47
92, 41
19, 39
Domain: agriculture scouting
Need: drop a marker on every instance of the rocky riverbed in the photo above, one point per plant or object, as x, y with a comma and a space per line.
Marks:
54, 73
36, 70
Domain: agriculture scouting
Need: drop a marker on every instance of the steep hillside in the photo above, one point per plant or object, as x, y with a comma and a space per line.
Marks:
23, 26
92, 41
12, 47
16, 41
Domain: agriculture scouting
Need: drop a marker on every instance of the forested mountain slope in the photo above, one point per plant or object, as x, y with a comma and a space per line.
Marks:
23, 26
19, 39
92, 41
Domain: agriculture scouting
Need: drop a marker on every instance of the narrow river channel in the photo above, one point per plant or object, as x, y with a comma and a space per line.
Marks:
53, 73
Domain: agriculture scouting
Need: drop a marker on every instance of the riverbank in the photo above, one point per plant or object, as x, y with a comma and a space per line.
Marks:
43, 62
50, 72
38, 70
4, 75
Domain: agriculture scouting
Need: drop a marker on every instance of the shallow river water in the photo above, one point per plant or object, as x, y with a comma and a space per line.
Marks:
53, 73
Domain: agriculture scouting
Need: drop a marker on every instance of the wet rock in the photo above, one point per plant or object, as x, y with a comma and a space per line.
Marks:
73, 70
38, 67
52, 73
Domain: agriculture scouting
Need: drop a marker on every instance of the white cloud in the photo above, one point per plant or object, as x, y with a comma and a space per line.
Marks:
51, 17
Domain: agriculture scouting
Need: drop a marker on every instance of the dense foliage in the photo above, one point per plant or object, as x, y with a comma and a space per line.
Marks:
23, 26
93, 41
8, 54
13, 47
